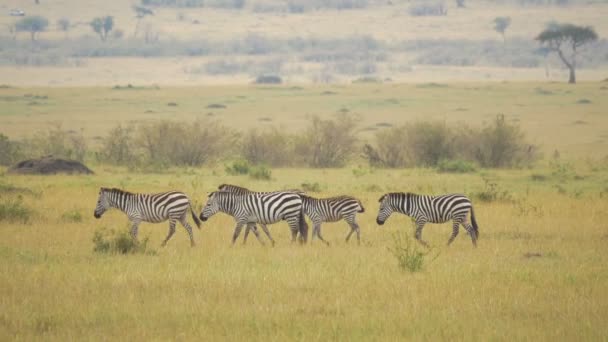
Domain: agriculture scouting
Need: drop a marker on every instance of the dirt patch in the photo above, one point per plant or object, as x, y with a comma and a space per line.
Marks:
49, 166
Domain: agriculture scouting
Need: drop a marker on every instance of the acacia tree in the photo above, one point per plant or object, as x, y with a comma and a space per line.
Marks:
102, 26
32, 25
564, 39
140, 13
501, 24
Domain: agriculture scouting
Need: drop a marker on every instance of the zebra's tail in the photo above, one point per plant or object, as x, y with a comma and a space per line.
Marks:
361, 208
474, 223
303, 228
196, 219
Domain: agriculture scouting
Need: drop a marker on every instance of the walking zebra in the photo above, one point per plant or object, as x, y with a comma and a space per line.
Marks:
154, 208
251, 226
434, 209
331, 210
254, 208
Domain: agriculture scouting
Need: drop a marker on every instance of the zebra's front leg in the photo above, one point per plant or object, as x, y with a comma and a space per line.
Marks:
237, 231
189, 231
455, 230
134, 229
171, 232
265, 229
252, 227
419, 225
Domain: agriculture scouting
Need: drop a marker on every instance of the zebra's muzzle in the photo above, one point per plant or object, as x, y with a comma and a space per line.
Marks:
203, 218
379, 222
97, 215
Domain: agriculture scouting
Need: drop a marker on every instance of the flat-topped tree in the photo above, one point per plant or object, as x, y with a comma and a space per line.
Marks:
567, 38
32, 25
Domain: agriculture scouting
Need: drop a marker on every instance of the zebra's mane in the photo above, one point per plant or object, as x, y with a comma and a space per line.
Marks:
116, 191
393, 194
231, 186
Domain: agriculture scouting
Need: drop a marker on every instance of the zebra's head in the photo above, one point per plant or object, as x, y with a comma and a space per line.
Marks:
211, 208
386, 209
103, 203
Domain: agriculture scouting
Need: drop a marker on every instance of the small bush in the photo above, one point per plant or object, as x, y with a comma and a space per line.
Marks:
13, 210
311, 187
72, 216
237, 168
268, 79
118, 147
492, 192
10, 151
328, 143
260, 172
428, 9
271, 147
59, 143
408, 253
112, 242
455, 166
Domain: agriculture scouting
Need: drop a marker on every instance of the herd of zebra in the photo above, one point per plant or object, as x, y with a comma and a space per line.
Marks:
250, 208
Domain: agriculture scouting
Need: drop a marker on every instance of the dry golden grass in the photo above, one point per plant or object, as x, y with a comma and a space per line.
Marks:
54, 287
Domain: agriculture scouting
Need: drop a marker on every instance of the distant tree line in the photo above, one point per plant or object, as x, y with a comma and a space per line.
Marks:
323, 143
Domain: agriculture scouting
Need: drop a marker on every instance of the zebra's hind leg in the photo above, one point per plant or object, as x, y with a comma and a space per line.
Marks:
419, 225
252, 227
354, 228
455, 230
265, 229
189, 230
171, 232
471, 232
317, 230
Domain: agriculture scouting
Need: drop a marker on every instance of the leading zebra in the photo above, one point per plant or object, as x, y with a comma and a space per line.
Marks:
434, 209
251, 226
331, 210
254, 208
154, 208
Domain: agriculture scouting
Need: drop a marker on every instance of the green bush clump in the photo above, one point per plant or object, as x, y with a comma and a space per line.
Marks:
455, 166
410, 257
260, 172
237, 168
311, 187
72, 216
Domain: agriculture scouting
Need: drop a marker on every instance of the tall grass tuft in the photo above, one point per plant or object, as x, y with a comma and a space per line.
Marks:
410, 256
13, 210
119, 242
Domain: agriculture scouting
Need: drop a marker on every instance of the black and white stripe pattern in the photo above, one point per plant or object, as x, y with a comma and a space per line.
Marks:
331, 210
434, 209
251, 226
154, 208
262, 208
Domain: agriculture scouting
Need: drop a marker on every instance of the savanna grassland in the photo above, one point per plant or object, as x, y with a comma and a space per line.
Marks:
539, 272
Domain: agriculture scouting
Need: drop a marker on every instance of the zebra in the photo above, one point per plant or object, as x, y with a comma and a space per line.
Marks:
251, 226
262, 208
332, 209
434, 209
154, 208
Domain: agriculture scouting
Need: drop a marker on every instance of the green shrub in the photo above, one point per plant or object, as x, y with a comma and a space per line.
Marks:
311, 187
271, 147
409, 254
112, 242
118, 146
260, 172
10, 152
72, 216
13, 210
455, 166
239, 167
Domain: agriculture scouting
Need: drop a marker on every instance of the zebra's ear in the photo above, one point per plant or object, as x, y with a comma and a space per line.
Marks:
211, 194
382, 198
221, 186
